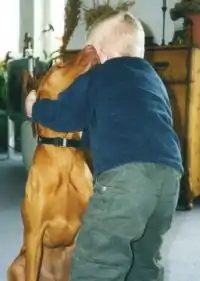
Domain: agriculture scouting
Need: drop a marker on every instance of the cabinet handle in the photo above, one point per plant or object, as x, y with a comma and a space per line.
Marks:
161, 65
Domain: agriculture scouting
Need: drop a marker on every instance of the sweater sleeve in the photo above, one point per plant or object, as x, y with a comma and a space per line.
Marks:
70, 112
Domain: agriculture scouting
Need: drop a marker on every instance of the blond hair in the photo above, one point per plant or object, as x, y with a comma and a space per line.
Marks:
121, 33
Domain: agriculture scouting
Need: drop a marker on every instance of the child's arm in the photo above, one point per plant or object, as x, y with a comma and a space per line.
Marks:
71, 112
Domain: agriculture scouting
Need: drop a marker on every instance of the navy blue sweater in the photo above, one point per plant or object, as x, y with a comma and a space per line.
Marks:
125, 107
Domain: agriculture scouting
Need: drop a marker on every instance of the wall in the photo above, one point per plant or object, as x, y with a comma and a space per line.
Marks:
35, 14
149, 11
44, 13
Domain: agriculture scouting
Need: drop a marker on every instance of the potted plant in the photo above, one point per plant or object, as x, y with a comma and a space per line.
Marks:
190, 11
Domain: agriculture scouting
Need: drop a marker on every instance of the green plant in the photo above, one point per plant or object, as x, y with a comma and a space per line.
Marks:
2, 67
104, 10
184, 8
2, 85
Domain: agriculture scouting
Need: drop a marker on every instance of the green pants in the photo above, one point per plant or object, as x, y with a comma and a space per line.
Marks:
122, 230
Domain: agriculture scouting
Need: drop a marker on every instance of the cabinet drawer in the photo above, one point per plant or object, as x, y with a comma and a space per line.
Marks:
171, 64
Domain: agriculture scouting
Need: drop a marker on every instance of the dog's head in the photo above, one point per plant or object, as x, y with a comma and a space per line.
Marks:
61, 75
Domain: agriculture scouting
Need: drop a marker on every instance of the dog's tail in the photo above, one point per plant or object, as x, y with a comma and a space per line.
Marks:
34, 253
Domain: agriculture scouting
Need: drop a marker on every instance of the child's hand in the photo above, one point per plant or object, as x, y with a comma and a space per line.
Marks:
30, 100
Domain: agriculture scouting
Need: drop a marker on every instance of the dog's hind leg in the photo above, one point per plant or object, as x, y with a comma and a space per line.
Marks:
34, 249
15, 271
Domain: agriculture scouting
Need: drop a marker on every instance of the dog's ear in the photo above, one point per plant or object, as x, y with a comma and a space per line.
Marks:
88, 57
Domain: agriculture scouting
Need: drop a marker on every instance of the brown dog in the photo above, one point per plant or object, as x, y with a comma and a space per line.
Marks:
58, 189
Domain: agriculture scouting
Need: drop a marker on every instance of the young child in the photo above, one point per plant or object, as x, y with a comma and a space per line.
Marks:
135, 151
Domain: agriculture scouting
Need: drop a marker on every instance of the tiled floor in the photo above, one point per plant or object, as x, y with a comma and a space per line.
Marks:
181, 248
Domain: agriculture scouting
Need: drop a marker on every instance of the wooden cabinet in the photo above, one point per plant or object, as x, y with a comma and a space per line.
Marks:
179, 67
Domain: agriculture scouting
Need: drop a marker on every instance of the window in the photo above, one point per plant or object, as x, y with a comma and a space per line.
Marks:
9, 27
57, 21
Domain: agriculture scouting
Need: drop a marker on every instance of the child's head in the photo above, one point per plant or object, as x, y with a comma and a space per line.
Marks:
119, 35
